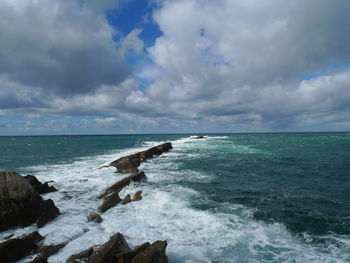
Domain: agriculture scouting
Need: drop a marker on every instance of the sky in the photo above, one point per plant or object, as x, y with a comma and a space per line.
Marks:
174, 66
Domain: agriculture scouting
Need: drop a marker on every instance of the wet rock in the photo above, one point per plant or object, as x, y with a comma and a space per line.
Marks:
137, 196
20, 204
198, 137
155, 253
47, 212
102, 254
41, 188
18, 248
47, 251
95, 218
39, 259
82, 256
109, 201
128, 255
128, 164
127, 199
118, 186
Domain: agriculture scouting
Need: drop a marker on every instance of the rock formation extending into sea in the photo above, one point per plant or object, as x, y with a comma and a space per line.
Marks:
22, 205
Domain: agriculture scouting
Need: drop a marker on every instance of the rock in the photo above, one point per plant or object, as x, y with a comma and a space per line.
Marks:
128, 255
20, 204
109, 201
102, 254
38, 186
155, 253
137, 196
48, 211
198, 137
39, 259
81, 256
128, 164
95, 218
47, 251
118, 186
127, 199
17, 248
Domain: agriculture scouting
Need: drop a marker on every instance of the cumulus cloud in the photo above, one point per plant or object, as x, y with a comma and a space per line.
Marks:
241, 58
58, 46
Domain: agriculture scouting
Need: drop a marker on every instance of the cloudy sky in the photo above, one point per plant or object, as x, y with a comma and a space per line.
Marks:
170, 66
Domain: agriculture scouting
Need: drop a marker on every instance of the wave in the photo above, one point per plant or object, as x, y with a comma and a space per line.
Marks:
221, 232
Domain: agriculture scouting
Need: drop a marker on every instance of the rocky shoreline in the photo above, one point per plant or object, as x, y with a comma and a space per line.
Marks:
21, 205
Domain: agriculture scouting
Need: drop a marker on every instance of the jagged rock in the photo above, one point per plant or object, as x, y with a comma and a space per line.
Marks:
48, 211
128, 255
198, 137
155, 253
95, 218
47, 251
109, 201
118, 186
17, 248
102, 254
82, 256
39, 259
137, 196
146, 253
20, 204
131, 162
128, 164
41, 188
127, 199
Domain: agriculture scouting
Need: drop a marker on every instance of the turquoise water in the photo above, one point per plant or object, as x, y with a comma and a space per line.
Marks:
230, 197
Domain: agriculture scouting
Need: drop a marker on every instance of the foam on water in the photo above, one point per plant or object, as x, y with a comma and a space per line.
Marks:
226, 233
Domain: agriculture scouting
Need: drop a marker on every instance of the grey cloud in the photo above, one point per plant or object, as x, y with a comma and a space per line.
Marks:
57, 46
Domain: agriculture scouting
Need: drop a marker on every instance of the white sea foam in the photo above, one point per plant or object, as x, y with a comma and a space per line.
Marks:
227, 233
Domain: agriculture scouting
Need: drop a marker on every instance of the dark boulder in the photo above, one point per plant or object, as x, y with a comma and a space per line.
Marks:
41, 188
146, 253
155, 253
20, 204
15, 249
94, 217
39, 259
198, 137
47, 251
126, 199
137, 196
109, 201
47, 212
102, 254
128, 255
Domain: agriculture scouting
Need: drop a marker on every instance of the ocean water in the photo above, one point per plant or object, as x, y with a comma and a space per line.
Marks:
227, 198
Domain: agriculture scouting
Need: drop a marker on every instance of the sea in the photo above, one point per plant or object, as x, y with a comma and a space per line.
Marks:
225, 198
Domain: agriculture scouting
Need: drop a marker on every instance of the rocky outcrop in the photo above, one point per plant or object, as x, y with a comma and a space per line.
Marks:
47, 251
198, 137
126, 199
130, 163
117, 250
137, 196
17, 248
118, 186
20, 204
154, 253
40, 188
109, 201
102, 254
94, 217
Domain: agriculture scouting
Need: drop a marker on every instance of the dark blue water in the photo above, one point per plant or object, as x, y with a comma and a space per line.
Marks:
300, 181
